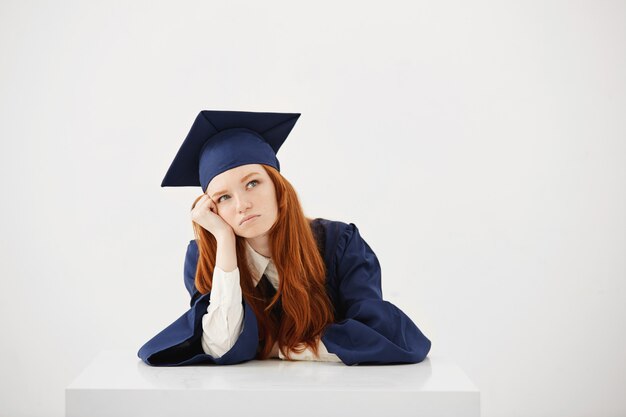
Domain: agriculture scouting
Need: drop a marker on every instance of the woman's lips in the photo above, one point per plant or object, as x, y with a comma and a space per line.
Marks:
250, 219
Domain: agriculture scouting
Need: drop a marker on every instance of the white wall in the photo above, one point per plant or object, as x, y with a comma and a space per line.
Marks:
479, 147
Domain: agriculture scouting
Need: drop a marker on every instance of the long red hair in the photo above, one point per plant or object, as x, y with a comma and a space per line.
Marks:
304, 310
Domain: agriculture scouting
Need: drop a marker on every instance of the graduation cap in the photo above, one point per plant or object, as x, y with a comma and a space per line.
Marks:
220, 140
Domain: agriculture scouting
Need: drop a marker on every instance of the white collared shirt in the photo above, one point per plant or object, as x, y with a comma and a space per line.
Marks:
223, 322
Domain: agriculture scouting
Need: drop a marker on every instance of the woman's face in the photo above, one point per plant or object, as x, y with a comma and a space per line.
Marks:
245, 191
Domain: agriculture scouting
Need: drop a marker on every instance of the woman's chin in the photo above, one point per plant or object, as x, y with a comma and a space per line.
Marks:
252, 232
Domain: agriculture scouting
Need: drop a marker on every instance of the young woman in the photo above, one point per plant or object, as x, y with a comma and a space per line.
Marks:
266, 281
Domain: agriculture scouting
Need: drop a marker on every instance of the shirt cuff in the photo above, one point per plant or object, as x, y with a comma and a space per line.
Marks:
308, 355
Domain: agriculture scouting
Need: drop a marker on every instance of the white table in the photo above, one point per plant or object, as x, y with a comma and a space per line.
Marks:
117, 383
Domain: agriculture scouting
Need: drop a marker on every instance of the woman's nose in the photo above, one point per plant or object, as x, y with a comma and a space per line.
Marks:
243, 204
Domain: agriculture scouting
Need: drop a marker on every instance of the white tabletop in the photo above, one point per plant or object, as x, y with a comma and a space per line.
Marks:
122, 384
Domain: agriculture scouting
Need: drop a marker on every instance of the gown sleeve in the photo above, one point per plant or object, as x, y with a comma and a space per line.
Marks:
180, 342
368, 330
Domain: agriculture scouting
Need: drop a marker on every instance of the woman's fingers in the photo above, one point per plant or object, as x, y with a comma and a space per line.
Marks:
212, 205
205, 203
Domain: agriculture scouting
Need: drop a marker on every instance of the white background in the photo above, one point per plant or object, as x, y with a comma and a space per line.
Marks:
478, 146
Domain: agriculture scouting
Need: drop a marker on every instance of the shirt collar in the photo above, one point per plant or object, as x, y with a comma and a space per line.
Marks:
260, 265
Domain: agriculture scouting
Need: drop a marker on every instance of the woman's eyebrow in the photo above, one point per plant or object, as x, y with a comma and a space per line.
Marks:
242, 180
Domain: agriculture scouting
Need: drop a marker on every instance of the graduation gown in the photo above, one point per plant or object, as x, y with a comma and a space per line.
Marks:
367, 329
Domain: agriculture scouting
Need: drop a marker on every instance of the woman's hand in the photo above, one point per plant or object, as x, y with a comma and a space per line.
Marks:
204, 212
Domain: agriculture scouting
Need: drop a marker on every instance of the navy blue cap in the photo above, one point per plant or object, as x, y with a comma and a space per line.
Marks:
220, 140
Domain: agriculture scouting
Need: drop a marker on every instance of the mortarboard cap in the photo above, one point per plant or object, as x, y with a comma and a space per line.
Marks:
220, 140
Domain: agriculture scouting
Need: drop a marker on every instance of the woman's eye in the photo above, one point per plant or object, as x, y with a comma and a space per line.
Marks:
219, 200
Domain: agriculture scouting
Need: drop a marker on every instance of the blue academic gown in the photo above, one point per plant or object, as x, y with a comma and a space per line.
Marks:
367, 329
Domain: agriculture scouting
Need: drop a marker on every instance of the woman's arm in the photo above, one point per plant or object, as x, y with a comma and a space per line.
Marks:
226, 257
223, 322
368, 329
180, 342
